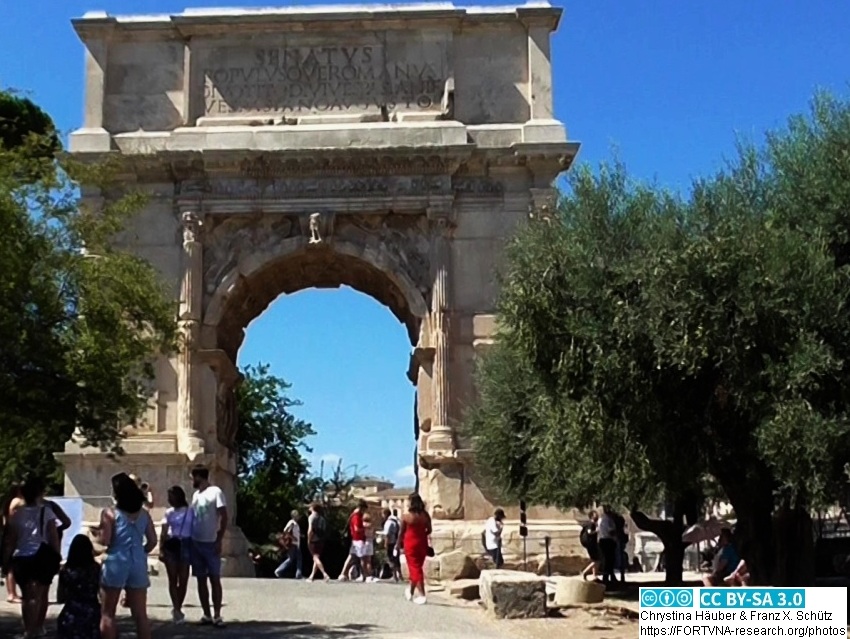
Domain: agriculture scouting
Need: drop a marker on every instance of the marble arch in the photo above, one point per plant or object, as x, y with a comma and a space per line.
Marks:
391, 149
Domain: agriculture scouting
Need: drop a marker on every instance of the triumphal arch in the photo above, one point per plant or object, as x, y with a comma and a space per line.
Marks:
392, 149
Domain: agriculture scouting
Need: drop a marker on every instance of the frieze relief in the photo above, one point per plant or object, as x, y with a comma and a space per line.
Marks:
365, 165
253, 189
470, 185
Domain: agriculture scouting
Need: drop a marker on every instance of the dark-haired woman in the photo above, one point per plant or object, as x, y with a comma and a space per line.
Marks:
128, 534
33, 547
175, 549
80, 578
414, 534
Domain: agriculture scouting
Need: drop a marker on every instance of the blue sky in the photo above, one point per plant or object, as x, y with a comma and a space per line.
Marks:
669, 84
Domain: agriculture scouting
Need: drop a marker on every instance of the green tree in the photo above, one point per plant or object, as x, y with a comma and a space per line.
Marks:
273, 475
647, 342
77, 332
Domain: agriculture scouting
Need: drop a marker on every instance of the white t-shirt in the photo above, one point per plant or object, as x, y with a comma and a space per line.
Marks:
293, 529
607, 527
492, 534
205, 505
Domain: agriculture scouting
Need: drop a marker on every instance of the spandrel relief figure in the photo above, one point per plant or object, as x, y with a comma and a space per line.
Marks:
315, 221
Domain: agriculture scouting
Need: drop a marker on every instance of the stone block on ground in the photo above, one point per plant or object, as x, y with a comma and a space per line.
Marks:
457, 565
465, 589
562, 565
573, 591
511, 595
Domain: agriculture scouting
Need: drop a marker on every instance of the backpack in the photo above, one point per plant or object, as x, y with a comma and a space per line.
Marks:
392, 534
584, 535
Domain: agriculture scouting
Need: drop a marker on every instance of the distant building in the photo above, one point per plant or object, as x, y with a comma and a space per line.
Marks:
366, 487
393, 498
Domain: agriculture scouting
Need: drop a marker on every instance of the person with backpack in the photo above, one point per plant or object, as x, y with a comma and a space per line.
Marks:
588, 539
291, 544
622, 558
316, 534
392, 526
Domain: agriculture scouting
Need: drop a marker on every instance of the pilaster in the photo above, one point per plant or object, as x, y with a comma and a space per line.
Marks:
440, 438
189, 439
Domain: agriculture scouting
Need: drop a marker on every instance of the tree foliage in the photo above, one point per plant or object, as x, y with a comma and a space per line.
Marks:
647, 340
80, 321
273, 474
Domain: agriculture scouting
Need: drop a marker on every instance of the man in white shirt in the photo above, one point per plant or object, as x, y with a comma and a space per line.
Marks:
607, 535
209, 512
493, 537
292, 546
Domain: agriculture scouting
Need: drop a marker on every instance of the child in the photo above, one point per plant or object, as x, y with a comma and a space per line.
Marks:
80, 618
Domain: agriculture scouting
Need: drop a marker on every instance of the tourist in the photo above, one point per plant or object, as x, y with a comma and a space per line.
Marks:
175, 547
148, 505
292, 533
357, 535
80, 579
389, 534
413, 536
621, 559
607, 535
366, 571
726, 560
316, 532
209, 511
13, 502
63, 522
740, 576
127, 531
33, 548
590, 542
493, 537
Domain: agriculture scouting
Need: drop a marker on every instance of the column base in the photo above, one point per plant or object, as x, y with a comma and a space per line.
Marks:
439, 440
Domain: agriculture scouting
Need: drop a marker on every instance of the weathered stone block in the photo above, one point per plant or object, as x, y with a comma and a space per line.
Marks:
457, 565
511, 595
571, 591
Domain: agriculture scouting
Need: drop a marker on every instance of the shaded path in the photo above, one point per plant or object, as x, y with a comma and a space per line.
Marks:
264, 608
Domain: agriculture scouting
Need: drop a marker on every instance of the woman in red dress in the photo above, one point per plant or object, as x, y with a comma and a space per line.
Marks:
414, 533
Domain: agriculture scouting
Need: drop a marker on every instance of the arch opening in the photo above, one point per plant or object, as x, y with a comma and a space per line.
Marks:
242, 296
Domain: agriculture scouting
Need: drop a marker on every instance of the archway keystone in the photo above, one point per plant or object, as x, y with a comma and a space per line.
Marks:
405, 189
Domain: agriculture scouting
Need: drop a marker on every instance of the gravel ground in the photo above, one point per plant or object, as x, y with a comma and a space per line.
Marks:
299, 610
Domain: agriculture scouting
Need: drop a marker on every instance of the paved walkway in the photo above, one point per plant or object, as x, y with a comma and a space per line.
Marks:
298, 610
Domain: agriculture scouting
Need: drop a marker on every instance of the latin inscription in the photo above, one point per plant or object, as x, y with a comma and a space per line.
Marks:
320, 79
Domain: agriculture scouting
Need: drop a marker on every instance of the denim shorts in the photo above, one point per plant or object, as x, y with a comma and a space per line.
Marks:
122, 571
206, 562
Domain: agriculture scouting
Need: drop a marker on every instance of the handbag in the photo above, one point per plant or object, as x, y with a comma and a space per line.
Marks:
47, 556
173, 545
